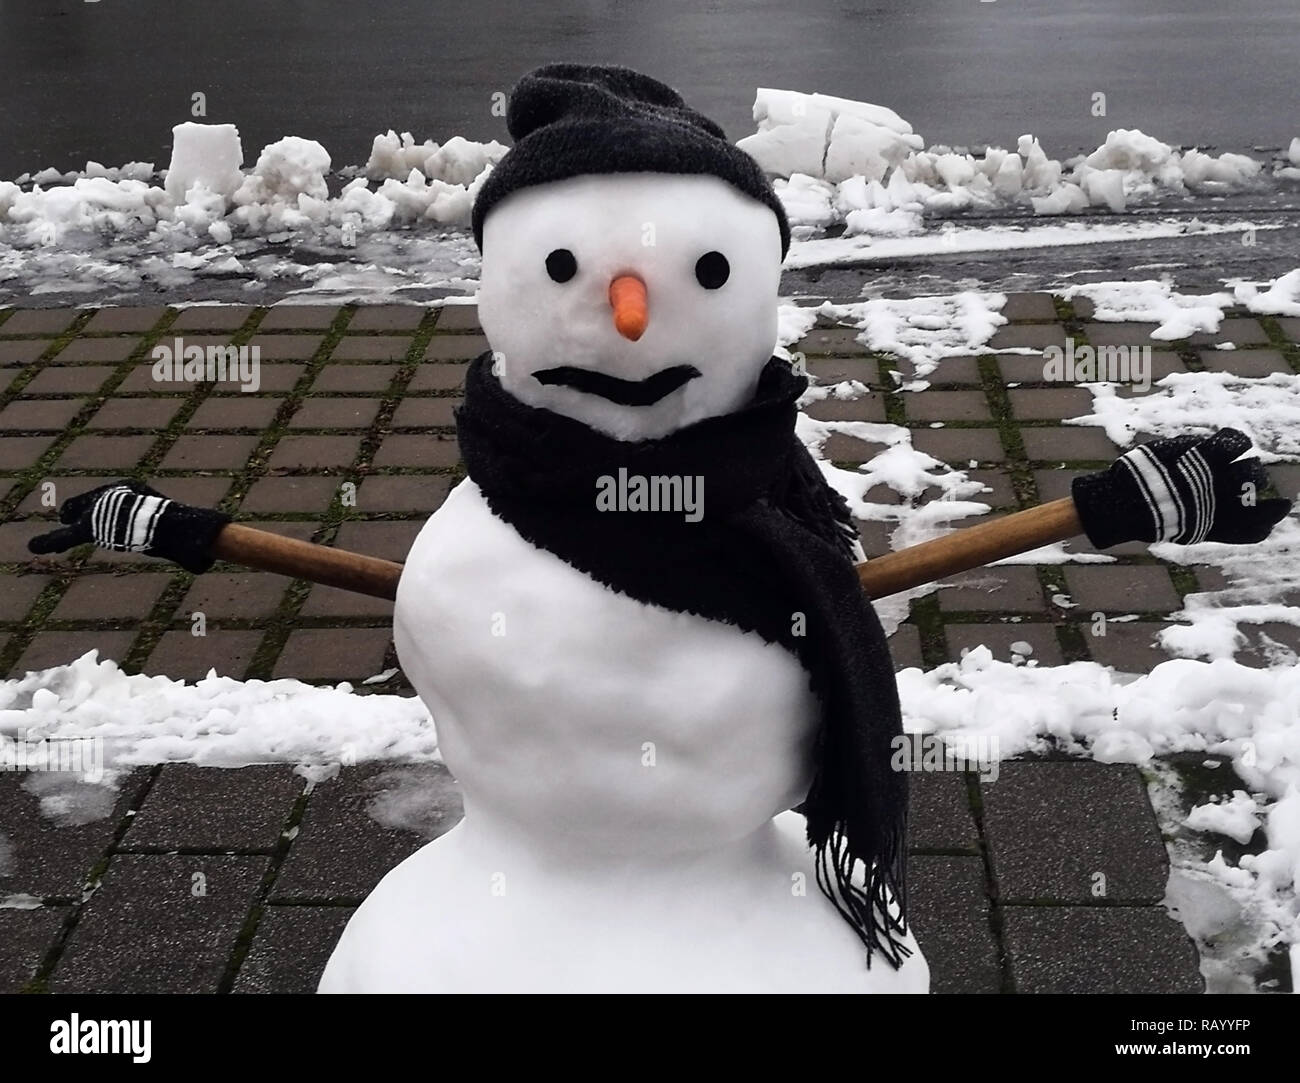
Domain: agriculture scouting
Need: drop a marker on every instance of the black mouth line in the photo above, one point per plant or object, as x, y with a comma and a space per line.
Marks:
624, 392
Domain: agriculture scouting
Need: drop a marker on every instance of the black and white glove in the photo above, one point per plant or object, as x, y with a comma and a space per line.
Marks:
1186, 490
130, 517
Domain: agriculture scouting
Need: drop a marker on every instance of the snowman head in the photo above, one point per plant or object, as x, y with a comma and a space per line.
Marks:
631, 256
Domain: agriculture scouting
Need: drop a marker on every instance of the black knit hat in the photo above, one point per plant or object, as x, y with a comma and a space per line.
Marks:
568, 120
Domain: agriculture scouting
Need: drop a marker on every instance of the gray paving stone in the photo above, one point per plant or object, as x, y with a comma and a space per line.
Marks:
126, 318
940, 816
211, 318
48, 860
1130, 648
1056, 829
458, 318
950, 915
38, 321
905, 647
290, 949
1098, 949
1121, 334
1029, 306
342, 851
286, 317
1117, 589
1009, 587
1031, 335
831, 340
1253, 364
834, 370
149, 930
25, 938
1242, 331
213, 809
960, 445
1066, 443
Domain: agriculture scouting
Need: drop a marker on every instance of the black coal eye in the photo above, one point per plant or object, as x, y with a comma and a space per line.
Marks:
712, 270
561, 265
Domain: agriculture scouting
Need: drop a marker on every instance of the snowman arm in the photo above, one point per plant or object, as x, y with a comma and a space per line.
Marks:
340, 568
1186, 490
972, 547
129, 516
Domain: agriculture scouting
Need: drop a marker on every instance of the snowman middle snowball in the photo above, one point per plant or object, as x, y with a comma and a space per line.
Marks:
653, 227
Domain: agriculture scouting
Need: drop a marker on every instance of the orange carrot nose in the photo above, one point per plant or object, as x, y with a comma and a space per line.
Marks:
631, 311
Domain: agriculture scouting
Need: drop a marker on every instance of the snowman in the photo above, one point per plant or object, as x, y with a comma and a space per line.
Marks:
636, 622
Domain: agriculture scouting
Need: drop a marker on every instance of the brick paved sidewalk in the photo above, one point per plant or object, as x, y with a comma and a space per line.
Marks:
1003, 872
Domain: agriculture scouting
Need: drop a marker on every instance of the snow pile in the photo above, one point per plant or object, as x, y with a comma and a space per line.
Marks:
216, 722
458, 161
1237, 818
208, 197
841, 161
91, 204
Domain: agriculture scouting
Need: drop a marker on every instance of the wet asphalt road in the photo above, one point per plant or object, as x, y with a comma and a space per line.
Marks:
107, 79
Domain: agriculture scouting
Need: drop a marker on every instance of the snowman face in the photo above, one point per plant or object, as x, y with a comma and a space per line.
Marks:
636, 303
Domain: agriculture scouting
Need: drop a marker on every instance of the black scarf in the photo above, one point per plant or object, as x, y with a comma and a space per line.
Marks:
773, 542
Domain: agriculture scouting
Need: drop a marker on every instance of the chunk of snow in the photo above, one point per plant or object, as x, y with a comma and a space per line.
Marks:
786, 151
395, 156
1238, 817
205, 154
286, 169
460, 161
1281, 298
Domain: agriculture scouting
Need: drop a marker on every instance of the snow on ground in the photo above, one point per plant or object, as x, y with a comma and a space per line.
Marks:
924, 330
1266, 408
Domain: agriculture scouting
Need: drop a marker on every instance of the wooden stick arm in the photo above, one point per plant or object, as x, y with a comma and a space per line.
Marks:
970, 547
302, 560
892, 573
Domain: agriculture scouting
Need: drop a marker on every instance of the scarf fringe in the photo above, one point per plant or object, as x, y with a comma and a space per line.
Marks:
867, 909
